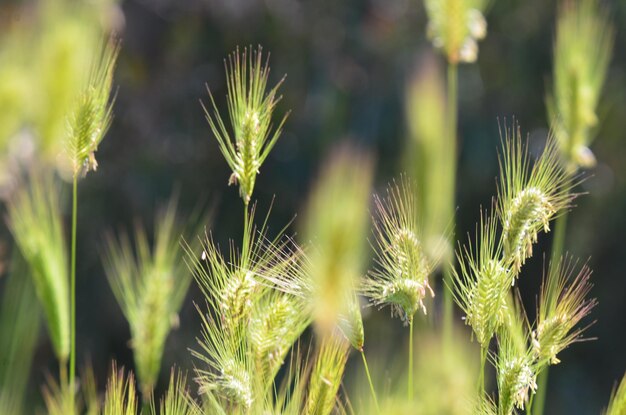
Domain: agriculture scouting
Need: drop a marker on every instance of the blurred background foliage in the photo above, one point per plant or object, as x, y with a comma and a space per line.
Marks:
349, 65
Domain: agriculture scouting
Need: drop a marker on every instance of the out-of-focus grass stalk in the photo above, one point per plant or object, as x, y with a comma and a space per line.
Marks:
451, 105
454, 27
429, 163
19, 328
335, 226
582, 53
150, 286
34, 217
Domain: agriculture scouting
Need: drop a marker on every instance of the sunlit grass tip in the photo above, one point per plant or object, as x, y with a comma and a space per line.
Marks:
563, 303
91, 116
120, 397
251, 137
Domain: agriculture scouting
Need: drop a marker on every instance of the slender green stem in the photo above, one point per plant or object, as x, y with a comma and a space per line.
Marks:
410, 380
481, 375
73, 290
529, 407
451, 119
369, 379
558, 244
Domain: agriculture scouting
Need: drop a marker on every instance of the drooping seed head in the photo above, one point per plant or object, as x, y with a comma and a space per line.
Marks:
582, 53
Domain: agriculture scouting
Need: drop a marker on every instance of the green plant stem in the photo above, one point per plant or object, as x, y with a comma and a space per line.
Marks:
558, 244
481, 375
451, 107
410, 380
73, 290
369, 379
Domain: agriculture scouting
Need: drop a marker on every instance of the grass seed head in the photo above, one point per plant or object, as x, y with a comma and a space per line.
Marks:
177, 400
483, 282
516, 374
562, 305
120, 397
400, 278
247, 143
92, 113
529, 196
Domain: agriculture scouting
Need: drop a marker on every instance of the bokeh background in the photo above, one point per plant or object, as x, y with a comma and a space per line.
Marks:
348, 64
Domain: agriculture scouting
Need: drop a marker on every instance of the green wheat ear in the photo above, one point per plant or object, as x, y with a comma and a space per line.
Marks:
582, 52
456, 26
120, 397
150, 284
35, 222
91, 116
400, 279
617, 403
246, 145
529, 195
482, 284
562, 305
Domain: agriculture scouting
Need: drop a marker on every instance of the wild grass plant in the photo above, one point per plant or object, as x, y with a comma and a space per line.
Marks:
283, 313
